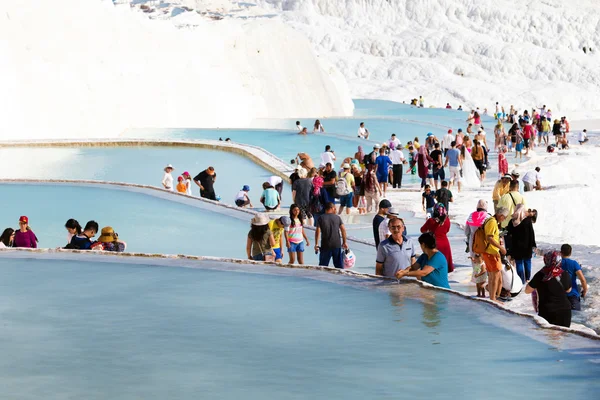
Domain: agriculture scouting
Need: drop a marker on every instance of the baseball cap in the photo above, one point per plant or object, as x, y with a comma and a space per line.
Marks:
385, 203
23, 218
460, 130
429, 134
449, 130
285, 220
246, 188
376, 146
514, 172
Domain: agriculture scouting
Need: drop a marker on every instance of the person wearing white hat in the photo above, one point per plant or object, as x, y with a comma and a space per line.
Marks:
167, 181
345, 189
260, 241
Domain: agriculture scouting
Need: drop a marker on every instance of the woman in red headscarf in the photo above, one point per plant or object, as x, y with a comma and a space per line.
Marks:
552, 284
440, 225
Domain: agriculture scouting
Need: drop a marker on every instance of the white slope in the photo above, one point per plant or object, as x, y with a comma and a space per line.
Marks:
469, 52
85, 68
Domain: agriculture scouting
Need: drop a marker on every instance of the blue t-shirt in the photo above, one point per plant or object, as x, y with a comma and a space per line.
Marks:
452, 156
382, 165
429, 199
439, 275
572, 266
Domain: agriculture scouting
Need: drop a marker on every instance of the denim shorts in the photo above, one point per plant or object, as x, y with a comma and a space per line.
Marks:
296, 247
346, 200
278, 255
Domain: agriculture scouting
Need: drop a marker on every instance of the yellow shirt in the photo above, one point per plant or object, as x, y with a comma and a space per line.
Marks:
506, 201
277, 231
500, 190
491, 229
349, 179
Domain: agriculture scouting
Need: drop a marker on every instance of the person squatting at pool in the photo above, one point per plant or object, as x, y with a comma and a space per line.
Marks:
430, 267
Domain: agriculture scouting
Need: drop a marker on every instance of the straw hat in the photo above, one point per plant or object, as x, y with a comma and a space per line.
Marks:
260, 219
107, 235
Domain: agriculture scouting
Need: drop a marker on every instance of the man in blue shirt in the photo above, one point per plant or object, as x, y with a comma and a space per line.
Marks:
383, 169
431, 266
453, 160
574, 270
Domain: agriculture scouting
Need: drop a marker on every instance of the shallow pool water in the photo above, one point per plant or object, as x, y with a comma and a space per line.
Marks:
148, 224
97, 330
145, 165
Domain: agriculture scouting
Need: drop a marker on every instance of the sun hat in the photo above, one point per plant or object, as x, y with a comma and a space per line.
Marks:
514, 173
346, 166
286, 221
107, 235
169, 166
385, 203
392, 211
24, 219
260, 219
482, 204
246, 188
507, 176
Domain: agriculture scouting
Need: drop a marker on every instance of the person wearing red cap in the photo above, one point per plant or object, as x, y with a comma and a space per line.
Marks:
24, 237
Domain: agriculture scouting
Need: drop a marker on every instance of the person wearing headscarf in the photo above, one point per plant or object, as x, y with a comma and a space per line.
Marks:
423, 161
520, 240
476, 218
552, 284
439, 225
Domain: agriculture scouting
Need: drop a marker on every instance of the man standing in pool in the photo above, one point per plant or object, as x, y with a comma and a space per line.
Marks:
330, 227
396, 252
205, 180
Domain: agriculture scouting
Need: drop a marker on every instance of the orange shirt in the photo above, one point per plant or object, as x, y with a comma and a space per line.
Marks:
181, 188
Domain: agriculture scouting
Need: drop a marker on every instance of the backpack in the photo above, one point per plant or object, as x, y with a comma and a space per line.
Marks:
442, 197
315, 206
341, 186
480, 242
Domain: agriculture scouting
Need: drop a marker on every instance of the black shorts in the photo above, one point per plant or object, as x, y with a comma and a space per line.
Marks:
305, 212
575, 302
240, 202
526, 143
479, 165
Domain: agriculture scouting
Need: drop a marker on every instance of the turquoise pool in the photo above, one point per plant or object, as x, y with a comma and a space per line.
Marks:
148, 222
144, 165
114, 330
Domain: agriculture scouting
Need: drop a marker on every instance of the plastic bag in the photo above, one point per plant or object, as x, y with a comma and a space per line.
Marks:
349, 259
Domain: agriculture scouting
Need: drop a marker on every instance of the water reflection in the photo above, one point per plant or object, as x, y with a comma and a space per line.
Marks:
433, 303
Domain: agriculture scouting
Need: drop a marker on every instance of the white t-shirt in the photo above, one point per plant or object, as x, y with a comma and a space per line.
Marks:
532, 176
274, 180
362, 132
241, 195
447, 140
168, 181
582, 136
396, 156
395, 142
383, 229
327, 157
299, 127
188, 187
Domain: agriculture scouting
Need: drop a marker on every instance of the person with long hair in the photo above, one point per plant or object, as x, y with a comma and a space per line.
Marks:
372, 189
260, 241
439, 225
318, 127
73, 228
552, 284
6, 240
296, 237
25, 237
522, 240
423, 161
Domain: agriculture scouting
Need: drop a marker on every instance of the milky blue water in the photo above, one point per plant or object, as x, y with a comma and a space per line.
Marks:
147, 223
90, 330
145, 165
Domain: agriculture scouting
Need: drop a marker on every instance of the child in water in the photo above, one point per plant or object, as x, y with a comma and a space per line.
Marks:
479, 274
